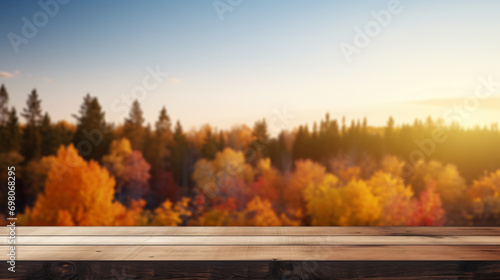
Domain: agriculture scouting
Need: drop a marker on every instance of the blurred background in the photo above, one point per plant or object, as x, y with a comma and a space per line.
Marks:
261, 113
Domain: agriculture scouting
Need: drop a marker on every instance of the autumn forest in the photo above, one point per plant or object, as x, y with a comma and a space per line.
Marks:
89, 172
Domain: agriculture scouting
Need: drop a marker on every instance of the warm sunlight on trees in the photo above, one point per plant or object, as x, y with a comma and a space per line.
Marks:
330, 204
78, 193
394, 199
448, 184
306, 172
240, 137
329, 172
428, 211
383, 200
484, 200
268, 182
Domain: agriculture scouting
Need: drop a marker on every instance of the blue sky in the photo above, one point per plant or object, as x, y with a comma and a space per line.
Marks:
263, 56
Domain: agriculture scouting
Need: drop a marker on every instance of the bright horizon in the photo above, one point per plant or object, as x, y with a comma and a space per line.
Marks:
262, 57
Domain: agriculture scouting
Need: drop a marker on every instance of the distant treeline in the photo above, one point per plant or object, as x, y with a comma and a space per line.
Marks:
165, 160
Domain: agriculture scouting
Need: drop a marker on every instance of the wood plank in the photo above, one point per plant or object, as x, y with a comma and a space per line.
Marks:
155, 270
253, 240
253, 231
255, 253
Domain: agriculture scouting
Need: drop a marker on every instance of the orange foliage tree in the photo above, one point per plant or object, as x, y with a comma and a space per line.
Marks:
269, 181
169, 214
261, 213
79, 193
258, 212
306, 172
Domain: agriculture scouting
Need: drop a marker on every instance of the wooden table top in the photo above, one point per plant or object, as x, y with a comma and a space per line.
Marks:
254, 243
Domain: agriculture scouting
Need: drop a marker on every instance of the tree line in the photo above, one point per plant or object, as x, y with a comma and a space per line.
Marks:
333, 173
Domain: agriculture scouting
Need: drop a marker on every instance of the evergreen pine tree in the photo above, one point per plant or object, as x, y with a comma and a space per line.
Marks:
4, 103
50, 142
258, 147
163, 132
13, 140
179, 150
221, 143
93, 136
209, 148
32, 139
133, 129
4, 116
162, 180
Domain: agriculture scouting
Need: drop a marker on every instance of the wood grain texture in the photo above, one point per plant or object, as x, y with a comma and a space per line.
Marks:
254, 270
253, 231
286, 240
216, 243
256, 253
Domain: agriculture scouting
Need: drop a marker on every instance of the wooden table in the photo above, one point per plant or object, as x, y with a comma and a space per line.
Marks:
253, 252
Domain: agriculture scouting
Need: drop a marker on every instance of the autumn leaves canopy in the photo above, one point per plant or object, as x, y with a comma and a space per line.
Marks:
232, 192
334, 174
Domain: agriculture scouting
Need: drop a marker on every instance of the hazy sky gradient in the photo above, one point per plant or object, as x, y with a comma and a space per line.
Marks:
264, 55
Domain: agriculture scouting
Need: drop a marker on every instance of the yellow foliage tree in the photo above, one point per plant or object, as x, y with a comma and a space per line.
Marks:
261, 213
257, 212
197, 137
394, 198
483, 199
120, 150
306, 172
79, 193
169, 214
330, 204
240, 137
392, 165
218, 217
